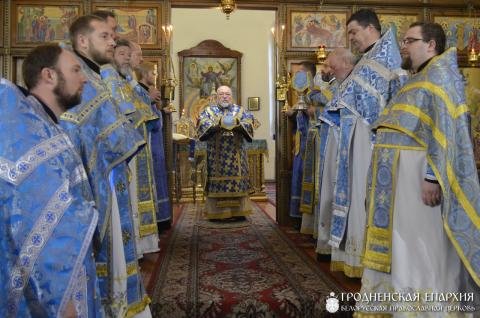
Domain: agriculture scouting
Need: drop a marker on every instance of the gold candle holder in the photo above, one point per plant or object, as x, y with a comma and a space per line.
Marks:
472, 56
169, 92
283, 85
283, 82
170, 82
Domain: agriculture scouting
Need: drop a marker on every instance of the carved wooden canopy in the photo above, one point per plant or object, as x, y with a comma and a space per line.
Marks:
210, 48
202, 69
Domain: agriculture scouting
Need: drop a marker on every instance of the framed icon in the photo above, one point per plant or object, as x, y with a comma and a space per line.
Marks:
137, 21
254, 103
35, 22
203, 69
309, 28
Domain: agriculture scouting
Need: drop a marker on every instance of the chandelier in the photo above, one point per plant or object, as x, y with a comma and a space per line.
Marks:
227, 7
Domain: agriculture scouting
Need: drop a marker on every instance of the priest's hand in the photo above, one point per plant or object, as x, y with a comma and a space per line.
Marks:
431, 193
70, 311
154, 94
288, 110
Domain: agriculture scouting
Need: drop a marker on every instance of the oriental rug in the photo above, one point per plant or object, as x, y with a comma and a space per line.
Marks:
246, 268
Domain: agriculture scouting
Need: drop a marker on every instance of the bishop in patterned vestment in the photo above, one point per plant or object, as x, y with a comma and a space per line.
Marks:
225, 127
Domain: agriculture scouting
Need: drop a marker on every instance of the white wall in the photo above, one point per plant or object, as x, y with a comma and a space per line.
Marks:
247, 31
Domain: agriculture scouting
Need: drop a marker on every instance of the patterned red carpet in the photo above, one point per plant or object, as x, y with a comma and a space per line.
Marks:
236, 269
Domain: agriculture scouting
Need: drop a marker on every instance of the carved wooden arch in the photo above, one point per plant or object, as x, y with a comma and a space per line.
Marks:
207, 51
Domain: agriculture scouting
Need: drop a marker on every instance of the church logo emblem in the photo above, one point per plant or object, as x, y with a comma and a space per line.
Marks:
332, 304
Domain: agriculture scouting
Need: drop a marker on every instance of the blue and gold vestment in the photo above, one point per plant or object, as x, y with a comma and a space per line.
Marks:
428, 114
315, 146
228, 184
163, 204
48, 216
142, 118
300, 140
364, 93
106, 140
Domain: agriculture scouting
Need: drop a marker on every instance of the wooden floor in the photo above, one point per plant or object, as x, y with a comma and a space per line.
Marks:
151, 262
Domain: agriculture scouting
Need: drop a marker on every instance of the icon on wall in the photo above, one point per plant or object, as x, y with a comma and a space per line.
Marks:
254, 103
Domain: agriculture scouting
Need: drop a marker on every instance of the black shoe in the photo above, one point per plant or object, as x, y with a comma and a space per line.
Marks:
163, 226
324, 257
297, 226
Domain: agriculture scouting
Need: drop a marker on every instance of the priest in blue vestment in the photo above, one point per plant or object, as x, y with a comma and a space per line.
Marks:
106, 141
321, 94
142, 185
145, 88
341, 61
225, 127
372, 83
48, 212
423, 233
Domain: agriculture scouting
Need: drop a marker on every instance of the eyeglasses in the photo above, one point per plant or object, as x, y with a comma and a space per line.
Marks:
407, 41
